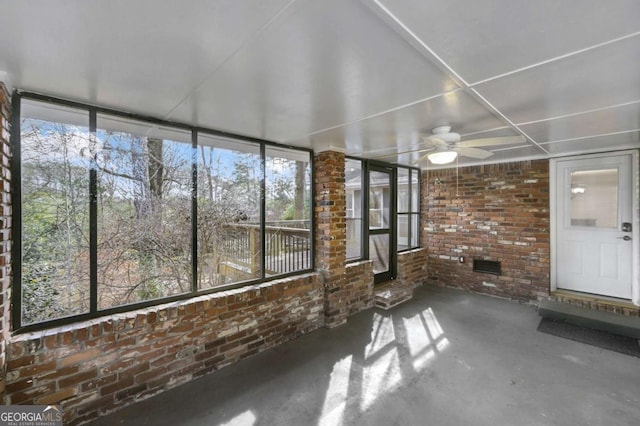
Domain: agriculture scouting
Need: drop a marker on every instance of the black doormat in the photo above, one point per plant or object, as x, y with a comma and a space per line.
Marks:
602, 339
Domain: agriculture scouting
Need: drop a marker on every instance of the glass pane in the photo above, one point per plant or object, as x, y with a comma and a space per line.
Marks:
415, 191
379, 200
415, 230
55, 152
379, 252
594, 198
403, 232
403, 190
229, 180
144, 212
354, 238
353, 194
288, 210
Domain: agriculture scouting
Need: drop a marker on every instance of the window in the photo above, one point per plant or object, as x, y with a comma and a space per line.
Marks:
143, 212
229, 185
115, 212
408, 208
594, 198
380, 193
55, 162
379, 200
288, 215
353, 195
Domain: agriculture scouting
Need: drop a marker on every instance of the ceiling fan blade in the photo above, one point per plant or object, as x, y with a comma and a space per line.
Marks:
501, 140
435, 141
395, 154
480, 154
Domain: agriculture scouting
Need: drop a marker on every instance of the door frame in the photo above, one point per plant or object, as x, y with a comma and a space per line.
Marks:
635, 209
374, 166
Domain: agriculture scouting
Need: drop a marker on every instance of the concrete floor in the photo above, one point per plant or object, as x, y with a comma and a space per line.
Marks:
445, 358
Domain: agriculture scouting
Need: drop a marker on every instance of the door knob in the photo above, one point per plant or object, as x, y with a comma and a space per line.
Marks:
626, 238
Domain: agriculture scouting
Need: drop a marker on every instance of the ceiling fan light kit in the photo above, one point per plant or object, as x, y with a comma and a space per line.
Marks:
442, 157
446, 146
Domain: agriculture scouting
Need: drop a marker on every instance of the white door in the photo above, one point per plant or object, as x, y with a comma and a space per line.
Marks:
594, 221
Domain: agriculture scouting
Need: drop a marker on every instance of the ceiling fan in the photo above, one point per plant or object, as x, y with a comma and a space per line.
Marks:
444, 146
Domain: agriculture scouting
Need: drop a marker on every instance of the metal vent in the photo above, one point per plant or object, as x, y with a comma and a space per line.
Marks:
486, 266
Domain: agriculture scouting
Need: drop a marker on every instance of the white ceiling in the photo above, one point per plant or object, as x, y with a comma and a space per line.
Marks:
371, 77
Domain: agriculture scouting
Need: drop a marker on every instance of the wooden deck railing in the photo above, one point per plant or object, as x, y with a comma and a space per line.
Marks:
287, 249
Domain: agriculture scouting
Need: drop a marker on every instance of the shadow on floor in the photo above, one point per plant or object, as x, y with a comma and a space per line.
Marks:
445, 358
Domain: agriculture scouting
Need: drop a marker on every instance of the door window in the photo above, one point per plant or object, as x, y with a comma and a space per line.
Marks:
380, 235
594, 198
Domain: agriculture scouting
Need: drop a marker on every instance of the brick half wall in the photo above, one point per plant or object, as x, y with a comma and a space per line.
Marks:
412, 268
96, 367
496, 212
358, 288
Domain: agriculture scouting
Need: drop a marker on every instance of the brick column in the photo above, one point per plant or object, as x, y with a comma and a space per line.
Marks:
5, 233
331, 234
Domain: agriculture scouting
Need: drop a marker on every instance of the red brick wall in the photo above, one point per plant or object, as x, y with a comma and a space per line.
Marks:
412, 268
358, 288
330, 208
595, 303
95, 367
498, 212
5, 233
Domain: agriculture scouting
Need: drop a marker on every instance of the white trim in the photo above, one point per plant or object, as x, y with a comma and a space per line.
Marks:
553, 207
635, 208
579, 138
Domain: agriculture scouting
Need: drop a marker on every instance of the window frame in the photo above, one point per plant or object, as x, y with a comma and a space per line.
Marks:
94, 312
411, 213
363, 209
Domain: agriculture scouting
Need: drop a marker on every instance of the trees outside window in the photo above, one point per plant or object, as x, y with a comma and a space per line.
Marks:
287, 209
229, 239
107, 209
55, 160
143, 212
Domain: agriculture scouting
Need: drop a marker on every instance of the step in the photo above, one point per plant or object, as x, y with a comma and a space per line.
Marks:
589, 318
390, 296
